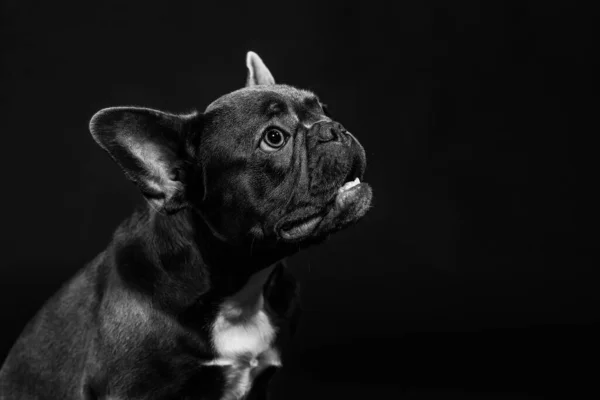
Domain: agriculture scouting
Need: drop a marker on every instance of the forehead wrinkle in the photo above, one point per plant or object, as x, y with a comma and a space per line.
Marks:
274, 108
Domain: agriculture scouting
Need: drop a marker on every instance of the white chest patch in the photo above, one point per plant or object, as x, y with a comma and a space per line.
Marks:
242, 336
248, 335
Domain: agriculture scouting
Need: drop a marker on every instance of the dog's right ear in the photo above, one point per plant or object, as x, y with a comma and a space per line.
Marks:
150, 147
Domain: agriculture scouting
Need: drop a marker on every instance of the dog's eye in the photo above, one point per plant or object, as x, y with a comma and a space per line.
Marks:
273, 139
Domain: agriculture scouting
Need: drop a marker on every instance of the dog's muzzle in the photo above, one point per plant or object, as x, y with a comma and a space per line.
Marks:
329, 131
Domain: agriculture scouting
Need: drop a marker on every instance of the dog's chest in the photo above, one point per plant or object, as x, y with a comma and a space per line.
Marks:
242, 337
249, 335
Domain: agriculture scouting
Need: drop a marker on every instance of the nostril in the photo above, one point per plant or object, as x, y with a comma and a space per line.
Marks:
333, 135
327, 134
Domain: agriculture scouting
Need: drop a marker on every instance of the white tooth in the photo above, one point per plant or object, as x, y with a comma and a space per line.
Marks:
349, 185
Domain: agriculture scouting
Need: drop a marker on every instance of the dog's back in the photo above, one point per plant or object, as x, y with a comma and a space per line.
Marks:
51, 352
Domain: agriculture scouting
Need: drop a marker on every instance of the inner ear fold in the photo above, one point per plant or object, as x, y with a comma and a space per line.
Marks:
258, 73
150, 148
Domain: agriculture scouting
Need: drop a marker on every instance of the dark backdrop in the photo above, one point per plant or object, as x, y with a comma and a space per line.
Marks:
472, 274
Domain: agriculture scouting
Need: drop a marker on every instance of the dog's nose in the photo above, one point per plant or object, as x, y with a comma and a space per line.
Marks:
329, 132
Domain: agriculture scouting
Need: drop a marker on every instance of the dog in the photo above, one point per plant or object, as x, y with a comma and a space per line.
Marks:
191, 299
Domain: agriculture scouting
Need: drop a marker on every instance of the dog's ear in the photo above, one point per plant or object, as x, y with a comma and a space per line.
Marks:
258, 73
150, 148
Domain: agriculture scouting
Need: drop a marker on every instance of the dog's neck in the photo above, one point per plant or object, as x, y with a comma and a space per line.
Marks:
194, 268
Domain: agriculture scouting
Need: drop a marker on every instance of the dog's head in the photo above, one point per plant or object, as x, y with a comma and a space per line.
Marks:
265, 163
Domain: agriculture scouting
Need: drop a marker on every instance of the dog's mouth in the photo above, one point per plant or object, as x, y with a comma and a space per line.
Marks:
348, 205
298, 229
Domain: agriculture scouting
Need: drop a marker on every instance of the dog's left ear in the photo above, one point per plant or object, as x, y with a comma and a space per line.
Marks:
150, 148
258, 73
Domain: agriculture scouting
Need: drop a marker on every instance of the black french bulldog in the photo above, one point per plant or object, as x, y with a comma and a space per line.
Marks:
191, 300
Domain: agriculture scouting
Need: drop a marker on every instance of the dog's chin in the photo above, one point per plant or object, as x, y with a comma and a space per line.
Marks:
350, 204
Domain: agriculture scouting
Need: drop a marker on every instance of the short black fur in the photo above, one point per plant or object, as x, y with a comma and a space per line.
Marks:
136, 322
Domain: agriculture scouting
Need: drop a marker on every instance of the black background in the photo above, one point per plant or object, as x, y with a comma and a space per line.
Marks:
473, 274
